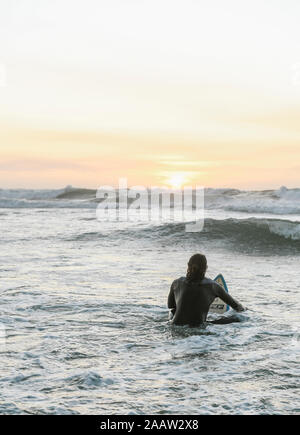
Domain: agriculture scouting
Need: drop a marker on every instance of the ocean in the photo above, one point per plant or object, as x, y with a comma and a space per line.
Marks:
83, 315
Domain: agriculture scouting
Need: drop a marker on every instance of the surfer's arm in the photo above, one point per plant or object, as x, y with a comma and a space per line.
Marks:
171, 300
222, 294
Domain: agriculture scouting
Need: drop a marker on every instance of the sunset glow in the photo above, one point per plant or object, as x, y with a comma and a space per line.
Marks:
177, 180
180, 88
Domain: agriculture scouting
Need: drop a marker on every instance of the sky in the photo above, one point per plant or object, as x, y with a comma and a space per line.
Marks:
162, 92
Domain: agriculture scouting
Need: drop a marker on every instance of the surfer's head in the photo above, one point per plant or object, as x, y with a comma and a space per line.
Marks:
197, 266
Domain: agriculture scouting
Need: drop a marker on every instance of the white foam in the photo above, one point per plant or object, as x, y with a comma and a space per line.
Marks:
282, 201
289, 230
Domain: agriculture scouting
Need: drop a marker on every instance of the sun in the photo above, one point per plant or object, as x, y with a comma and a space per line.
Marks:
177, 180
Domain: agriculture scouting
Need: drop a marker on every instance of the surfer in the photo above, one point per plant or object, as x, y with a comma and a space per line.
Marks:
191, 296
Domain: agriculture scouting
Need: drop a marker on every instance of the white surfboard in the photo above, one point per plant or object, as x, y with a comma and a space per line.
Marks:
218, 306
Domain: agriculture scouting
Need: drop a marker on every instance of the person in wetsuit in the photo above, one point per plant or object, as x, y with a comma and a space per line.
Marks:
190, 297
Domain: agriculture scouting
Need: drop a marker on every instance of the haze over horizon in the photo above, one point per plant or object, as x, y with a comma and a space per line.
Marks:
164, 93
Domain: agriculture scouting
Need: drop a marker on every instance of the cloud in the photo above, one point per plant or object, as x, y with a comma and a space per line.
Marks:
25, 164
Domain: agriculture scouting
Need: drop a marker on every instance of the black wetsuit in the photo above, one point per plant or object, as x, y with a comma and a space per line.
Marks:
190, 302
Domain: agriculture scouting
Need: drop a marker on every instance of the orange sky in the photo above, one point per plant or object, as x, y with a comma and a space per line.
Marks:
161, 93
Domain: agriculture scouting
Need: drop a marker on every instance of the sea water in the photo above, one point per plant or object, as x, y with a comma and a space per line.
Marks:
83, 317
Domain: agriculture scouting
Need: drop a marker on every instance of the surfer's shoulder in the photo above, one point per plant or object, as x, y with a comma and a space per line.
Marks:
207, 281
178, 281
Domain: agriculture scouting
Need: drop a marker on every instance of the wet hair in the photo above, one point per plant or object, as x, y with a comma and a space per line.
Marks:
197, 266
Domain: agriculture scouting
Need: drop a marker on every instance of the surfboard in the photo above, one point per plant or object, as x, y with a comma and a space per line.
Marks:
218, 306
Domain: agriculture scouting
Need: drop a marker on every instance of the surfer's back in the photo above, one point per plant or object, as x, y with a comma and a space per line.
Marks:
190, 297
191, 300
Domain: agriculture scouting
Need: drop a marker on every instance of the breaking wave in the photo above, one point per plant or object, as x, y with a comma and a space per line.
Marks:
282, 201
252, 234
245, 234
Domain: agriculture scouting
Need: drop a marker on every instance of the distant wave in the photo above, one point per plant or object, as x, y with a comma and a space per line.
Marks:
282, 201
69, 197
76, 193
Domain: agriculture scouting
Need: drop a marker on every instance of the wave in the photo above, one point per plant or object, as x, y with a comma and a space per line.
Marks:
77, 193
281, 201
68, 197
87, 380
254, 228
250, 234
